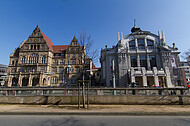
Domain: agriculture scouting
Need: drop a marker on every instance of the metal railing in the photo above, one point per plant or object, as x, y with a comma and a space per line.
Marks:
52, 91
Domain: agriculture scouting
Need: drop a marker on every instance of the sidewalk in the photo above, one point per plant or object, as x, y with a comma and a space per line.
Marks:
96, 110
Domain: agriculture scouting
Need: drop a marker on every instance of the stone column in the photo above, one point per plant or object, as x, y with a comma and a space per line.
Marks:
136, 43
10, 81
132, 75
129, 62
156, 81
20, 80
30, 81
168, 78
148, 62
144, 78
138, 60
49, 81
41, 79
145, 43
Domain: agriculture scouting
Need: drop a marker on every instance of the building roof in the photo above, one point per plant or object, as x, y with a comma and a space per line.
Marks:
48, 42
58, 48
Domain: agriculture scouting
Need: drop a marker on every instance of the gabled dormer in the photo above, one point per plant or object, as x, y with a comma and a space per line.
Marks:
74, 46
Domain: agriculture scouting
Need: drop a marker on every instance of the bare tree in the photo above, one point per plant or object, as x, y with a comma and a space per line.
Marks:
85, 40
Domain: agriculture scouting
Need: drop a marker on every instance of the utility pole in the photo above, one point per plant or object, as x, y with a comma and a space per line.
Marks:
113, 74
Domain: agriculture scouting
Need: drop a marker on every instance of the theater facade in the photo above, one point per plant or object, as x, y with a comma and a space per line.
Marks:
143, 58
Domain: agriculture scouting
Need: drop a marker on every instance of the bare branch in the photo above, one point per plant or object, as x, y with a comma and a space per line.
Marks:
85, 40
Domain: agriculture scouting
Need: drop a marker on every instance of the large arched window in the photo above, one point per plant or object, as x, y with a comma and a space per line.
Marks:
132, 45
33, 58
141, 44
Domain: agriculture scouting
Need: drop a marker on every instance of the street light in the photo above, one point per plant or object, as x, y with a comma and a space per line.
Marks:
68, 66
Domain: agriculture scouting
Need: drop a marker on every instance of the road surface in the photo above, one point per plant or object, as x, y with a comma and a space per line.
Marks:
48, 120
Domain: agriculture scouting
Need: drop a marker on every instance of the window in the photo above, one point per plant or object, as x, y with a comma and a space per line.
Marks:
13, 62
31, 47
77, 69
150, 44
55, 62
133, 61
79, 61
44, 59
73, 61
143, 62
33, 58
68, 62
77, 49
62, 62
132, 45
56, 55
141, 44
68, 55
23, 60
42, 69
54, 80
42, 46
152, 61
34, 46
54, 70
79, 55
13, 70
73, 55
61, 70
38, 47
185, 64
62, 55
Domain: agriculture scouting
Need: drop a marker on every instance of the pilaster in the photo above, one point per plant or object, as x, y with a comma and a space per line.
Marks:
168, 78
30, 81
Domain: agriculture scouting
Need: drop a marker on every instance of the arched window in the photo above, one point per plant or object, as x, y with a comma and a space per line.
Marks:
44, 59
23, 60
33, 58
132, 45
141, 44
54, 80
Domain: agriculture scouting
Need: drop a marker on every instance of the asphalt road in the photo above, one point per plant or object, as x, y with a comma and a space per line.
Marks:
48, 120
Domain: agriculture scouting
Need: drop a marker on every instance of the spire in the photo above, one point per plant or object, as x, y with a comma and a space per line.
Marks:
134, 22
135, 28
74, 39
37, 29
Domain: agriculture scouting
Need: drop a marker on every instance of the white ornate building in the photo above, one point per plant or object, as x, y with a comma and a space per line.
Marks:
141, 57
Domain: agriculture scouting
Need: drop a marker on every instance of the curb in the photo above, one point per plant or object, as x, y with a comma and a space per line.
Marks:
95, 113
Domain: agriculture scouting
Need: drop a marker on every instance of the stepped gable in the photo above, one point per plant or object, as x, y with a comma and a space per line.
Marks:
58, 48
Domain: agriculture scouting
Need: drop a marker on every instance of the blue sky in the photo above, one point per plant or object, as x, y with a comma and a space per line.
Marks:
60, 20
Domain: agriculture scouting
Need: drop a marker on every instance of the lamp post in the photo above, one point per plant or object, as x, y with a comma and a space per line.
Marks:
68, 66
